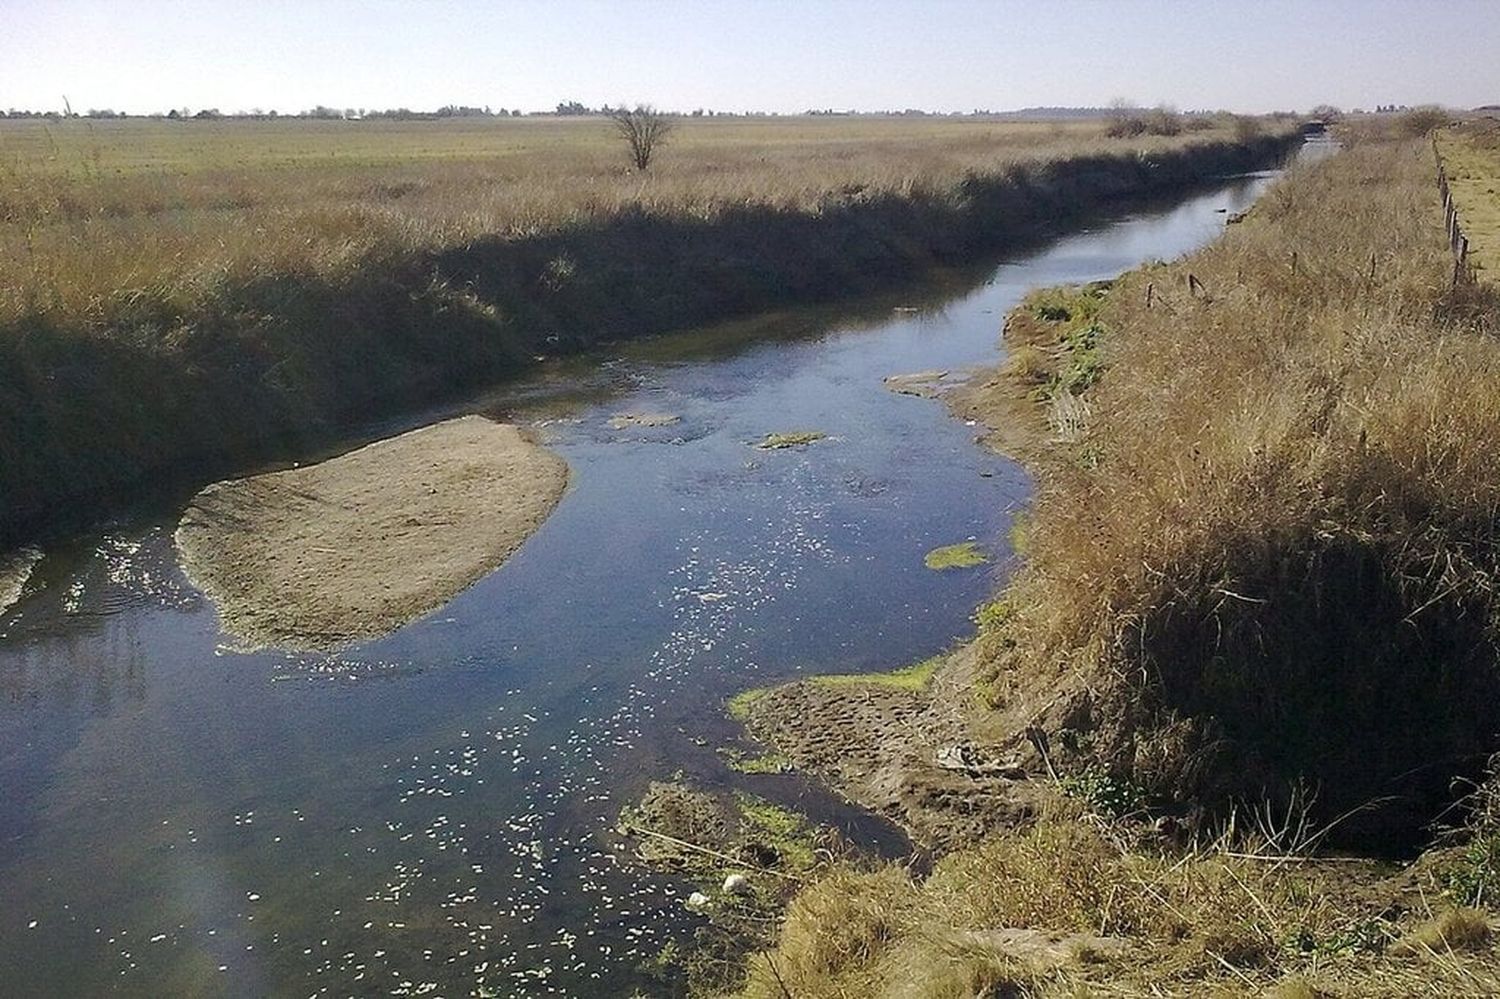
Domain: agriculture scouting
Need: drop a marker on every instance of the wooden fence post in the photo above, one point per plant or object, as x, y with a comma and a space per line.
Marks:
1458, 243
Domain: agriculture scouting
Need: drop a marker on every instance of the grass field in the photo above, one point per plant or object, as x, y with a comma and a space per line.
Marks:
92, 211
1471, 157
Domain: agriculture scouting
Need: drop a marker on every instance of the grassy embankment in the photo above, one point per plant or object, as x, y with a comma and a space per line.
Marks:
1258, 595
219, 293
1471, 156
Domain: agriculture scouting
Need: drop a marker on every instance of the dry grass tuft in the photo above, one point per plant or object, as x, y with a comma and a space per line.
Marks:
1450, 930
1071, 906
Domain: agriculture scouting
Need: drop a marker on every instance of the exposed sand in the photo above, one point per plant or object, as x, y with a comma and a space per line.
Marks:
358, 545
15, 570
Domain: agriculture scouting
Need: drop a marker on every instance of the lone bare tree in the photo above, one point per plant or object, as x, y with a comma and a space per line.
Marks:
643, 129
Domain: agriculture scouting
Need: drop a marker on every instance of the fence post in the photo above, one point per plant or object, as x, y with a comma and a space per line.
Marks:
1458, 243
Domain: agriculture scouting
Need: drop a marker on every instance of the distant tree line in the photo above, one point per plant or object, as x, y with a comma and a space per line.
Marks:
318, 112
1126, 118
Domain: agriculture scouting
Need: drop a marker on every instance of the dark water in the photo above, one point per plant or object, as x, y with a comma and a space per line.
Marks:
429, 814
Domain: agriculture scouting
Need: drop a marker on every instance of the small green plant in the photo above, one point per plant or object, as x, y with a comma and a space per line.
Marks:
755, 763
1365, 936
1473, 880
1103, 793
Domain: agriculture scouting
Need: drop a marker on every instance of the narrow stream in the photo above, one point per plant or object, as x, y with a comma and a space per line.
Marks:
429, 814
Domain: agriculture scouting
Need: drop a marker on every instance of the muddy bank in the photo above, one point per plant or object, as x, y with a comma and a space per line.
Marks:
356, 546
904, 751
275, 366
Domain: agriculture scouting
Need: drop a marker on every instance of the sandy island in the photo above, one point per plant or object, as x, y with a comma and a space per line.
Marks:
358, 545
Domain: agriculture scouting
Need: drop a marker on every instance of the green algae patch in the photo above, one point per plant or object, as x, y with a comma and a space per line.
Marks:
787, 833
755, 763
740, 705
913, 677
792, 438
960, 556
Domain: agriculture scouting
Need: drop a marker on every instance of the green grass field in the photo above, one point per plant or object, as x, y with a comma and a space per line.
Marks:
1471, 156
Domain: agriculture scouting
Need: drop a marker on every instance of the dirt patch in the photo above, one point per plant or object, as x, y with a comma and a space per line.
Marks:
904, 752
15, 570
1011, 422
356, 546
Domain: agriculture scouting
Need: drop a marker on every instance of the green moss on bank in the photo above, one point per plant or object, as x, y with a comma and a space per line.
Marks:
740, 705
913, 677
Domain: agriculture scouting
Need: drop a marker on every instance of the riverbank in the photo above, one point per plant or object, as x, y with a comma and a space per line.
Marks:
354, 547
271, 365
1253, 619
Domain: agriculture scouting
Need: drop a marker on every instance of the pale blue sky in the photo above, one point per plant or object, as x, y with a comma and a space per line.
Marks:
781, 55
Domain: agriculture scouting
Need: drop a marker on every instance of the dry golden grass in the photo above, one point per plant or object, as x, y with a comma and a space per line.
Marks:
1070, 907
221, 293
93, 213
1275, 541
1471, 157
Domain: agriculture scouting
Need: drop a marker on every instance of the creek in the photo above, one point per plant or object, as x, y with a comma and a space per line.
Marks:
431, 812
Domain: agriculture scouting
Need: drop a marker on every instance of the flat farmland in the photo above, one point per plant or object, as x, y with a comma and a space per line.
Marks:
93, 211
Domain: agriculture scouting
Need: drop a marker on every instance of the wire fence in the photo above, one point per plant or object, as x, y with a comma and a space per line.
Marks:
1457, 241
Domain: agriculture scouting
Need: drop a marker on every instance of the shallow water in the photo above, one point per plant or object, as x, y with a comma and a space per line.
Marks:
430, 813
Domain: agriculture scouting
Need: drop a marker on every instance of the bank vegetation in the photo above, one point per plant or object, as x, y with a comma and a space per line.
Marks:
1253, 635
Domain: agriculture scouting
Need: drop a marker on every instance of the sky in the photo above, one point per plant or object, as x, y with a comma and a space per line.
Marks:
746, 55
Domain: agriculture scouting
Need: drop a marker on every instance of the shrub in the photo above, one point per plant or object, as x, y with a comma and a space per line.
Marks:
1420, 121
